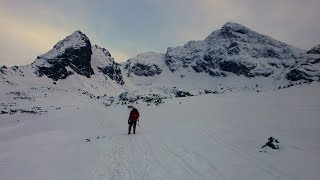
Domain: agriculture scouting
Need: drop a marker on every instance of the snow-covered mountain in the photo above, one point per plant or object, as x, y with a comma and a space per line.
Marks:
233, 58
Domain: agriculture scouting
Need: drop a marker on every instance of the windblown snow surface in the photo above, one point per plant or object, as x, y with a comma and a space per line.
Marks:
203, 137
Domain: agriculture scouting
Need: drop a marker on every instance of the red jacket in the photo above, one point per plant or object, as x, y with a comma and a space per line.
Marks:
134, 115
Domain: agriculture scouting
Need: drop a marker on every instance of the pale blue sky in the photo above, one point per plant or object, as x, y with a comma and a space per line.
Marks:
128, 27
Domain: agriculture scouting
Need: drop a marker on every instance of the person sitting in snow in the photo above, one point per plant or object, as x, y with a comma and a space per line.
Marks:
133, 119
271, 144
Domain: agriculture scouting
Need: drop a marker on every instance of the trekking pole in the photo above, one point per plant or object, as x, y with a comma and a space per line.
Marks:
138, 124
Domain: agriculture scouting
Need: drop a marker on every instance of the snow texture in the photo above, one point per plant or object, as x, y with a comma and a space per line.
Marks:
203, 137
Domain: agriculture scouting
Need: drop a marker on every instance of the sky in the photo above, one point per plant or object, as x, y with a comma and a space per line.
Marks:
128, 27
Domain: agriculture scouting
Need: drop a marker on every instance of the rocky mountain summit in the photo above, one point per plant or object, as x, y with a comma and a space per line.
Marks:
237, 50
74, 52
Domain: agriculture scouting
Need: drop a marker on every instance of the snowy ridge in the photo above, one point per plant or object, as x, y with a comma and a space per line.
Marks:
146, 64
314, 50
231, 59
104, 63
75, 41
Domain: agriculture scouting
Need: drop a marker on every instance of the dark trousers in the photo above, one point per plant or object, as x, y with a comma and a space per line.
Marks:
134, 127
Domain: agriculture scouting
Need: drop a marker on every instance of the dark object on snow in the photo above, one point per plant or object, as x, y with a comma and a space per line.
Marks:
271, 144
88, 140
133, 119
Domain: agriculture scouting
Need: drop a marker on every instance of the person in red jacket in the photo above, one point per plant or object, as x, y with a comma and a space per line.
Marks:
133, 119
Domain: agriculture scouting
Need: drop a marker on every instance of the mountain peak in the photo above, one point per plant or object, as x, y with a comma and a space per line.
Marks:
78, 32
74, 52
234, 30
314, 50
234, 26
76, 40
229, 30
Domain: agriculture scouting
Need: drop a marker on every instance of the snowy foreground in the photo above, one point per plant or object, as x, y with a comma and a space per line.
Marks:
204, 137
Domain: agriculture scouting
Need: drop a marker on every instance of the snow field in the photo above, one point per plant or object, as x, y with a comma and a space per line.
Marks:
203, 137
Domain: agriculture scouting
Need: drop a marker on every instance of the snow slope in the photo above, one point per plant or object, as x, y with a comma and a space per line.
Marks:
202, 137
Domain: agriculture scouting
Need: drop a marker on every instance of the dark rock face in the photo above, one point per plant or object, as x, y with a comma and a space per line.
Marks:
316, 61
182, 94
270, 53
3, 69
233, 49
235, 67
108, 66
296, 75
227, 32
170, 62
77, 58
265, 73
208, 65
55, 72
144, 69
314, 50
113, 72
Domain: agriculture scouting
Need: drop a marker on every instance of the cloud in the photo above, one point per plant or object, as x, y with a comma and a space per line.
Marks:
127, 28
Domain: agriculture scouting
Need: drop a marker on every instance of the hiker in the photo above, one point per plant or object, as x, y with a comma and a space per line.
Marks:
271, 144
133, 119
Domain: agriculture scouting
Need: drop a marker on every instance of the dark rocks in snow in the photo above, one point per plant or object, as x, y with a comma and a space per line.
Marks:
272, 143
83, 92
55, 72
314, 50
3, 69
113, 72
108, 101
182, 94
269, 52
315, 61
33, 110
20, 95
106, 64
4, 112
233, 49
265, 73
127, 97
153, 98
210, 92
228, 32
296, 75
236, 67
130, 98
146, 70
170, 62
